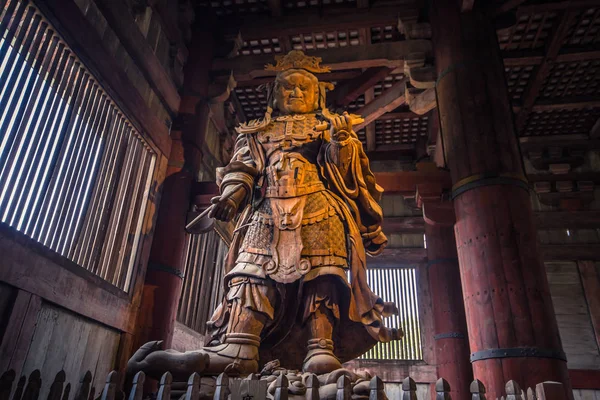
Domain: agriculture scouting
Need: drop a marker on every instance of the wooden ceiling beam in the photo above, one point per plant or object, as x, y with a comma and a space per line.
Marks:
533, 89
405, 182
403, 225
520, 59
387, 101
346, 92
398, 256
507, 6
386, 54
306, 21
567, 220
556, 6
370, 128
570, 252
466, 5
566, 104
275, 7
399, 115
335, 76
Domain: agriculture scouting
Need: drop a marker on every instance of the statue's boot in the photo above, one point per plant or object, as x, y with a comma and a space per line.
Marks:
320, 358
238, 355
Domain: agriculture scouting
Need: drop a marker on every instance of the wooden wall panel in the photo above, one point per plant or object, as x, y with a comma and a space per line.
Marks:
7, 298
63, 340
583, 394
394, 390
572, 314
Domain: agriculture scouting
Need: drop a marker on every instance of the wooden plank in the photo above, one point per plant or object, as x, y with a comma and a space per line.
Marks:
591, 288
585, 378
41, 340
398, 257
388, 101
120, 20
570, 252
20, 328
403, 225
30, 266
348, 91
423, 102
70, 22
386, 54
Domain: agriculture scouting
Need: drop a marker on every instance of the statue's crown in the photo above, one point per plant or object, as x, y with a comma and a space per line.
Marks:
296, 59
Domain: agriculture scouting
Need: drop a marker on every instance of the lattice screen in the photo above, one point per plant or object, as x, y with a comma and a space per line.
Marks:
400, 130
580, 78
530, 32
517, 79
560, 122
74, 172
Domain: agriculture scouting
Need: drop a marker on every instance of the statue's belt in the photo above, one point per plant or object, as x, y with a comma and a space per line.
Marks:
294, 190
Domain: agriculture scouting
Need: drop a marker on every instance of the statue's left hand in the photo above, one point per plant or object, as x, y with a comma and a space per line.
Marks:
341, 126
225, 206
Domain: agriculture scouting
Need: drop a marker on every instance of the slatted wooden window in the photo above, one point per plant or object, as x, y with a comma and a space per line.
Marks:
400, 286
74, 173
203, 280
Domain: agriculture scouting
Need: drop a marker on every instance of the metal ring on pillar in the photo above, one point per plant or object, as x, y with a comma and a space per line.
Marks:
516, 352
475, 181
154, 266
449, 335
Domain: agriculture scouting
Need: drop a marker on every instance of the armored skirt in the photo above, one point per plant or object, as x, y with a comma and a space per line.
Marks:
319, 241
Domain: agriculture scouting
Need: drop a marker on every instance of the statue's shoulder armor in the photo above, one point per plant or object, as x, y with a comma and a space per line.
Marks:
253, 126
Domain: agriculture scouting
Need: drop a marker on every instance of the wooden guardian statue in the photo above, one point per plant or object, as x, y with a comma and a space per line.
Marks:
309, 215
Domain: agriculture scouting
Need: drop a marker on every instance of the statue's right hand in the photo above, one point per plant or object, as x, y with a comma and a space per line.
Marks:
223, 209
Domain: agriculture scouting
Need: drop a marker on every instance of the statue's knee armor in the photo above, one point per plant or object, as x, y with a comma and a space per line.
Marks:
254, 296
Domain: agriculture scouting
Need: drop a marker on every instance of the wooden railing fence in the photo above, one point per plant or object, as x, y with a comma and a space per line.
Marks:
252, 387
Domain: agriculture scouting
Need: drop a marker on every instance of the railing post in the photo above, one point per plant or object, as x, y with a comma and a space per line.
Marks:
442, 390
164, 391
281, 388
312, 387
85, 386
193, 387
409, 389
344, 390
110, 387
6, 382
513, 391
20, 387
137, 388
376, 389
222, 387
477, 390
56, 389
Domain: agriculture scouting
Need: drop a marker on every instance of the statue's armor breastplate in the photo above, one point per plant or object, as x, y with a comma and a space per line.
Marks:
291, 146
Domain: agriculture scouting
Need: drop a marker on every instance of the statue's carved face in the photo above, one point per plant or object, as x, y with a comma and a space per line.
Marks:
296, 92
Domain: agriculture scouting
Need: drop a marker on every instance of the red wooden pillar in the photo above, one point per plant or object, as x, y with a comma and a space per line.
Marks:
449, 324
164, 279
513, 332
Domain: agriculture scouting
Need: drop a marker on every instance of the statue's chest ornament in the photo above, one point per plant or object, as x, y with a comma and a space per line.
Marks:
290, 131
